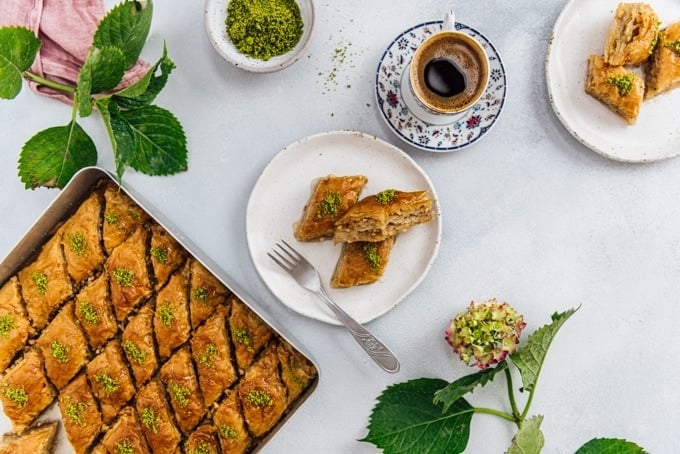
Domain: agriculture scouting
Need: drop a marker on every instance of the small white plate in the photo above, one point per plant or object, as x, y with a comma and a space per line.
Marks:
581, 30
280, 194
215, 25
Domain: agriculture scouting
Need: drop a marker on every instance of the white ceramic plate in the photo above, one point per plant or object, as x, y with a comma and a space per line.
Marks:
581, 30
215, 16
280, 194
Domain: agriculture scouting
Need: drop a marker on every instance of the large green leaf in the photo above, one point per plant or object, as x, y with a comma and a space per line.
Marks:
457, 389
126, 26
121, 136
610, 446
529, 439
405, 420
529, 357
103, 70
145, 90
160, 143
18, 48
51, 157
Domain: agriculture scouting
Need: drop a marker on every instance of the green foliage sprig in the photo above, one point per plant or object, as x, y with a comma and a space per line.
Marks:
431, 415
143, 136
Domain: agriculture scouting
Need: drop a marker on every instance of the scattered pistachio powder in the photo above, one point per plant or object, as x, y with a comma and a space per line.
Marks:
7, 324
107, 382
125, 447
16, 395
89, 313
623, 83
329, 205
75, 411
655, 40
372, 256
134, 352
386, 196
202, 448
244, 337
160, 254
40, 281
259, 398
123, 277
166, 313
134, 215
78, 243
179, 393
150, 419
59, 351
200, 294
289, 371
112, 218
674, 46
228, 432
206, 357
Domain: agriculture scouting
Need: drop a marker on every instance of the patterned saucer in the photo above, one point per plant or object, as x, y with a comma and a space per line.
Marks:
464, 129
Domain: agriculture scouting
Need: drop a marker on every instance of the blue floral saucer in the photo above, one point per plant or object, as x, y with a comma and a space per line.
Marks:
464, 129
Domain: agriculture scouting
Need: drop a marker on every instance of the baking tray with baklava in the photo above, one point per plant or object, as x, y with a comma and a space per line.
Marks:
117, 335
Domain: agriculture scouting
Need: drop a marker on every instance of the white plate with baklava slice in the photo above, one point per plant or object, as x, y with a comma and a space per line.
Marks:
354, 180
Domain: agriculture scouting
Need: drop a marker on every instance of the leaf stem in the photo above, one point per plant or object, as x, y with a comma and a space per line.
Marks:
511, 396
528, 404
491, 411
49, 83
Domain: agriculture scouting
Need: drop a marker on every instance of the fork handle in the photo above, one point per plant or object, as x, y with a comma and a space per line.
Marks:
371, 344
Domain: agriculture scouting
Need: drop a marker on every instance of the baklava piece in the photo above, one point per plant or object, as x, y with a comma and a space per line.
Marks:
39, 439
296, 370
382, 215
171, 318
361, 263
94, 313
125, 436
632, 35
45, 284
616, 87
25, 391
81, 240
166, 254
110, 380
138, 345
64, 347
79, 414
231, 427
210, 348
156, 420
128, 274
122, 216
15, 327
263, 395
181, 385
663, 69
203, 440
207, 293
249, 333
329, 200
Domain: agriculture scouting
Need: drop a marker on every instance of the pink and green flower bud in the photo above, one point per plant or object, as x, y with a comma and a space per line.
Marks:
486, 333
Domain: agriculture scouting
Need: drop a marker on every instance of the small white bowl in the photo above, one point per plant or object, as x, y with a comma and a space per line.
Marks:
216, 27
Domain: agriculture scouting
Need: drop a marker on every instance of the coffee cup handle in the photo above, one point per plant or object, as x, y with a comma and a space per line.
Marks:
449, 21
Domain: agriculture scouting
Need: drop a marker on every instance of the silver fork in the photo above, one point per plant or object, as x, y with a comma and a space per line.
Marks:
308, 277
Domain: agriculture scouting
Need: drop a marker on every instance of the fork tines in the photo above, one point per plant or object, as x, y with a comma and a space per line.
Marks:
288, 261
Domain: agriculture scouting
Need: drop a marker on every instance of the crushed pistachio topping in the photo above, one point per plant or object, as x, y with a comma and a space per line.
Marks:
674, 46
112, 218
134, 353
329, 205
179, 393
623, 83
160, 254
372, 256
202, 448
89, 313
289, 371
386, 196
655, 40
123, 277
107, 382
75, 411
78, 243
244, 337
200, 294
166, 313
259, 398
59, 351
40, 281
16, 395
7, 324
228, 432
206, 357
149, 419
124, 447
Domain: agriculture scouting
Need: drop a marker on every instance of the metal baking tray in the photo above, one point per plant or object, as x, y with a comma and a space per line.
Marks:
72, 195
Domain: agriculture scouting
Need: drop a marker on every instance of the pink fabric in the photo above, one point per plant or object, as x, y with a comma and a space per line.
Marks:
66, 28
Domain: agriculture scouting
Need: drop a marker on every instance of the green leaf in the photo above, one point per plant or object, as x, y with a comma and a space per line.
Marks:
160, 143
529, 439
529, 357
126, 26
610, 446
51, 157
406, 421
457, 389
121, 136
18, 48
103, 70
144, 91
